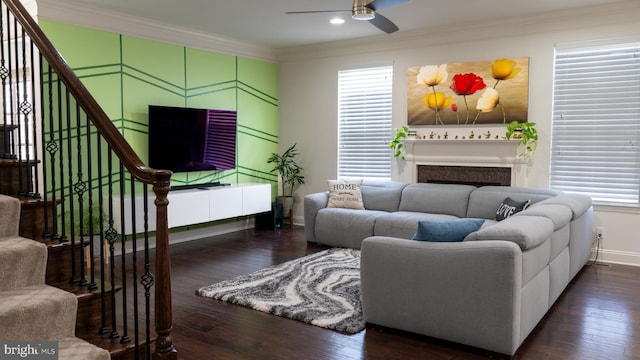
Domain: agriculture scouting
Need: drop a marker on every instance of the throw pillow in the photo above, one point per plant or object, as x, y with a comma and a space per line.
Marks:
345, 194
510, 207
446, 230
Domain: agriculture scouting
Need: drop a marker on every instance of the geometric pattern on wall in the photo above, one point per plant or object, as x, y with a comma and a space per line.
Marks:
127, 74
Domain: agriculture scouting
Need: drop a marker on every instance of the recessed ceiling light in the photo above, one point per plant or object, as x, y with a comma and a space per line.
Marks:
337, 21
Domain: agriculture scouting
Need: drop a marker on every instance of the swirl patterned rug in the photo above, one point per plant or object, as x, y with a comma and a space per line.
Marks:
321, 289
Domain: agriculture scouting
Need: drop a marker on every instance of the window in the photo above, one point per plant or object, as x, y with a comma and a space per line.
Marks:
596, 122
364, 122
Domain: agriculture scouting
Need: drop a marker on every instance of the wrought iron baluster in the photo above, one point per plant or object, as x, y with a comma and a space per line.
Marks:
34, 131
72, 230
25, 109
123, 258
103, 236
147, 279
4, 74
93, 231
134, 263
15, 112
112, 236
63, 232
52, 148
79, 188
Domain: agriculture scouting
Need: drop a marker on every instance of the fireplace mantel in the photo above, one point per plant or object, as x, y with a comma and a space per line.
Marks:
477, 152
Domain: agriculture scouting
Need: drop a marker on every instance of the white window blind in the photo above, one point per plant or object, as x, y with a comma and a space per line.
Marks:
596, 122
364, 122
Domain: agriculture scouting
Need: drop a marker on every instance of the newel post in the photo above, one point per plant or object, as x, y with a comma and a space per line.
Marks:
164, 322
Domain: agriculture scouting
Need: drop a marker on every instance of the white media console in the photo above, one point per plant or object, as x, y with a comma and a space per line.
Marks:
194, 206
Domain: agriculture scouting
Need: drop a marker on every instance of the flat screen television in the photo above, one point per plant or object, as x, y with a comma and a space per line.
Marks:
189, 139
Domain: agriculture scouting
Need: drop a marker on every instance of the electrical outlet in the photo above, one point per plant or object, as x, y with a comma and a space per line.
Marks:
600, 232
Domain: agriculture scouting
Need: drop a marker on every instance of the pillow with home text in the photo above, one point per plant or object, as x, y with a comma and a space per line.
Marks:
345, 194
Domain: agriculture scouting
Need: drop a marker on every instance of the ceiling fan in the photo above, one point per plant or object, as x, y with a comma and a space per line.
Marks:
366, 10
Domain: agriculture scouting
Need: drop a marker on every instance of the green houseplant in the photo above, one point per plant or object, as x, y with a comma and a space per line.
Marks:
396, 145
290, 174
527, 134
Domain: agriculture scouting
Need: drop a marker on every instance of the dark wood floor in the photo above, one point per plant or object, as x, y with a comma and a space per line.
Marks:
598, 316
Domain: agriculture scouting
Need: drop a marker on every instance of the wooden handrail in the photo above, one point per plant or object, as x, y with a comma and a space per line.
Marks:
160, 179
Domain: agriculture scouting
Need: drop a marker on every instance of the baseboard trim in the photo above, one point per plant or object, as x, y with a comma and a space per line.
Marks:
618, 257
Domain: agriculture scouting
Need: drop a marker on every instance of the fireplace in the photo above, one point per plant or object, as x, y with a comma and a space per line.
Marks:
470, 175
477, 162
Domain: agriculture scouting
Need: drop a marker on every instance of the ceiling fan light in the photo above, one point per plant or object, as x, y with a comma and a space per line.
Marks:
361, 12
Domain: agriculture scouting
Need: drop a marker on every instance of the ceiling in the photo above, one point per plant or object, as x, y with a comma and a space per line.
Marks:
265, 22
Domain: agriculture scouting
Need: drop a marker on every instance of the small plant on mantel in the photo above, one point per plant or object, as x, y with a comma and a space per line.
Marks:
396, 145
527, 135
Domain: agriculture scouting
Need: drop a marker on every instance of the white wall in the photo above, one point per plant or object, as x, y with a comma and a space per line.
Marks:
308, 90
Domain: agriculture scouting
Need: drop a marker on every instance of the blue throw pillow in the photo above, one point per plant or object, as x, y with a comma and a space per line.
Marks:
446, 230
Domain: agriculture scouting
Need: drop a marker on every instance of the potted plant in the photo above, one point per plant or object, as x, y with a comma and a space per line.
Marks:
290, 174
527, 134
396, 145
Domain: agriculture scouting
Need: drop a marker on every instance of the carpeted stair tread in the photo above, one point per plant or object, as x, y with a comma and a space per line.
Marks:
72, 348
37, 312
22, 262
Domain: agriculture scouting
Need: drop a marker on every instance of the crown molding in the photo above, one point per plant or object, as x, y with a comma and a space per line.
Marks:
91, 17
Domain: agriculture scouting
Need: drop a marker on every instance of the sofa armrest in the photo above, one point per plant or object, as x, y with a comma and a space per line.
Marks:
312, 204
9, 216
466, 292
527, 232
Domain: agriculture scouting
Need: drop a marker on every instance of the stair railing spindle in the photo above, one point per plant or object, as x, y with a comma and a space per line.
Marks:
112, 236
92, 215
123, 258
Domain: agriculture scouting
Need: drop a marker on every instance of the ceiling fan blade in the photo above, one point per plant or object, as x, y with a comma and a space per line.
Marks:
377, 5
383, 24
316, 11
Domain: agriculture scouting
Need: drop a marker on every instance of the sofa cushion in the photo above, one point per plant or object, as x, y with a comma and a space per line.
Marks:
403, 224
345, 227
526, 231
446, 230
560, 215
578, 203
509, 207
345, 194
484, 201
382, 195
451, 199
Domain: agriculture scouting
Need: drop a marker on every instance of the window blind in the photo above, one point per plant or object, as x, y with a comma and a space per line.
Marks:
596, 122
364, 122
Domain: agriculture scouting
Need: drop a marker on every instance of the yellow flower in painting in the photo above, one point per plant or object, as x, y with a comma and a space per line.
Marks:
432, 75
488, 101
504, 69
437, 100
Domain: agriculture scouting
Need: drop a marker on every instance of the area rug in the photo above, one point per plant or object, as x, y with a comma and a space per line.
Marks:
321, 289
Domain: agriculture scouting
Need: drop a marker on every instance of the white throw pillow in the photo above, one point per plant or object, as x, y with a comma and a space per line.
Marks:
345, 194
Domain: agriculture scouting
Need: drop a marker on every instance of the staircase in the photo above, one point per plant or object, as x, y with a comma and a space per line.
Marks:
68, 184
32, 311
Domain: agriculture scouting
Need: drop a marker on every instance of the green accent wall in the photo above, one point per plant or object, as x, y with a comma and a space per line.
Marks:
127, 74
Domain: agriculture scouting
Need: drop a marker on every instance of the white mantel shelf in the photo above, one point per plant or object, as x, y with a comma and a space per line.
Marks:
466, 152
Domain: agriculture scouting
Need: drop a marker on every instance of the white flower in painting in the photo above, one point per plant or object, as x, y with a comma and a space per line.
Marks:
488, 101
432, 75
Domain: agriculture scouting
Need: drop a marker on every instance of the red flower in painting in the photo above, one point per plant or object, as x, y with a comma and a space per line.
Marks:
467, 84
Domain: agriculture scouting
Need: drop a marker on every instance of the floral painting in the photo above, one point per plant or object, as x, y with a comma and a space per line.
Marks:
469, 93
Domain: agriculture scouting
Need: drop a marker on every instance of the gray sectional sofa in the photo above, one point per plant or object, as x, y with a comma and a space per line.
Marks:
488, 291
